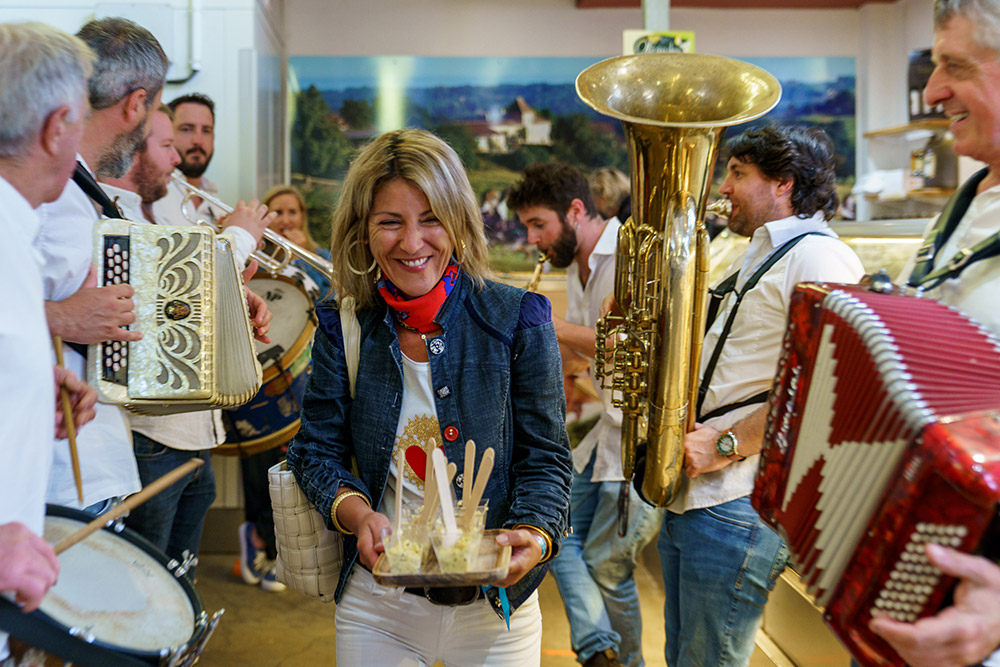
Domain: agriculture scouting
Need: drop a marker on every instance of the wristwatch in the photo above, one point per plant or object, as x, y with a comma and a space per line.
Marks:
727, 446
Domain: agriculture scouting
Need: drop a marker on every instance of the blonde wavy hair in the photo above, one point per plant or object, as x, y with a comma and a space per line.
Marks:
428, 163
279, 190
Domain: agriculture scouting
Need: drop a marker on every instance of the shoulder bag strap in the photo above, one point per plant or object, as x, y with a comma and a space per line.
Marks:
351, 330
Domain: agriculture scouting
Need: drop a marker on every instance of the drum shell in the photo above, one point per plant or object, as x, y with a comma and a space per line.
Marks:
55, 600
271, 418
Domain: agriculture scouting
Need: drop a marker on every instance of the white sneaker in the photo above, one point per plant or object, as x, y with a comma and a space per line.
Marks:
269, 582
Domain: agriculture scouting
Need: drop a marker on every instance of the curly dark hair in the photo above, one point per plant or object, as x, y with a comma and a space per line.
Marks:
553, 185
801, 154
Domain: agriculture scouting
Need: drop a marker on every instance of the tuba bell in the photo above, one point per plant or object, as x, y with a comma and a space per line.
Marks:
675, 108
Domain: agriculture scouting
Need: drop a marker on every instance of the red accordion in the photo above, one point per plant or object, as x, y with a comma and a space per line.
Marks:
883, 434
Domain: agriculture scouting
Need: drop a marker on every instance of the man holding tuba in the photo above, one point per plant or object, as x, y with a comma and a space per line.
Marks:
719, 559
594, 568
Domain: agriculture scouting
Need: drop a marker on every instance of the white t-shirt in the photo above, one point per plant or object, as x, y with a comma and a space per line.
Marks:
107, 463
417, 428
584, 307
749, 357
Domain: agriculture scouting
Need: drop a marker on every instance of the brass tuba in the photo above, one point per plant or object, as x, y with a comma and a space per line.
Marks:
675, 108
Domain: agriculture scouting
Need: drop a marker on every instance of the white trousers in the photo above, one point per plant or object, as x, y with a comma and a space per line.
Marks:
385, 626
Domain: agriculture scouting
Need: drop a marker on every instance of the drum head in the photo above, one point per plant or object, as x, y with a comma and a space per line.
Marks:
113, 589
290, 302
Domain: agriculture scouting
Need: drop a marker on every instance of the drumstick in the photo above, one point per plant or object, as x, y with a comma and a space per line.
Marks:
485, 469
67, 409
129, 503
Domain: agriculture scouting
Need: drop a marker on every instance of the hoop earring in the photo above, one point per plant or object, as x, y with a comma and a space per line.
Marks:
355, 271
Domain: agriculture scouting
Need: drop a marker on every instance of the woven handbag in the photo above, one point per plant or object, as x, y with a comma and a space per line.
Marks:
310, 555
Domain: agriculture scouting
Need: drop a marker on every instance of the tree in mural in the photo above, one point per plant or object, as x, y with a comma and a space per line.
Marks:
358, 114
578, 142
319, 147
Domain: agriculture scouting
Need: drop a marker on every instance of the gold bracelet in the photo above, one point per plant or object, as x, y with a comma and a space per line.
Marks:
336, 504
545, 536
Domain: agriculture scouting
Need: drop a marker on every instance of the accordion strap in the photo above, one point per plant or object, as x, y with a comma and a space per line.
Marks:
90, 187
719, 293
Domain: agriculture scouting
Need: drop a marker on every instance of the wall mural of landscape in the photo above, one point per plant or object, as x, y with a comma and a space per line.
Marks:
501, 114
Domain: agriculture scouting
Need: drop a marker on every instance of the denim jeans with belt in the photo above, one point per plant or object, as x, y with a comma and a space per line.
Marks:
595, 567
173, 519
719, 564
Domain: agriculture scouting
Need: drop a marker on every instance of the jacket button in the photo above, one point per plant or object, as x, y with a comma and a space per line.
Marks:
451, 434
436, 346
443, 392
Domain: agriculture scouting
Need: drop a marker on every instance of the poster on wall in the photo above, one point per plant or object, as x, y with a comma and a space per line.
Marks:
502, 114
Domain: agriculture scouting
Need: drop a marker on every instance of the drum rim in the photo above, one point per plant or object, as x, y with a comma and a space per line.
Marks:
200, 616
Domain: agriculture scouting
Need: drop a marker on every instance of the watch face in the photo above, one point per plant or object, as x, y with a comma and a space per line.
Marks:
726, 444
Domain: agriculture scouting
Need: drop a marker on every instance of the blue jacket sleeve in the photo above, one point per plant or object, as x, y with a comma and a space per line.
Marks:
541, 462
320, 454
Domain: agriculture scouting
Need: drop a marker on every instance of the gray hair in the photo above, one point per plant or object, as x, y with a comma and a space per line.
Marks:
41, 69
984, 15
128, 58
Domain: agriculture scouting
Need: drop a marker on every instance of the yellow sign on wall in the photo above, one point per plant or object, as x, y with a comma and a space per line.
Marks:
648, 41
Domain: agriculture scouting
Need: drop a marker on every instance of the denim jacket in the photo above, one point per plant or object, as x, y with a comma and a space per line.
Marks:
497, 380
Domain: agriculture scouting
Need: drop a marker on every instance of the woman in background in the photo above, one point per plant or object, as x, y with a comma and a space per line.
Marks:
445, 356
292, 222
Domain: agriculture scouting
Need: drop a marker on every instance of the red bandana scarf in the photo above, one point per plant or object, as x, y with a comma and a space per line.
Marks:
418, 314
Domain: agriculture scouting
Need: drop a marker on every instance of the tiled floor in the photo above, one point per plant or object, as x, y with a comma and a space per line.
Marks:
289, 630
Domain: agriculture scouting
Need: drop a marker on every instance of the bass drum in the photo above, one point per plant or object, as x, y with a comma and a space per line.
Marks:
271, 418
119, 601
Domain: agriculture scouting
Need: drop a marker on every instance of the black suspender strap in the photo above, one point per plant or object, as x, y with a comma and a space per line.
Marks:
923, 274
90, 187
726, 286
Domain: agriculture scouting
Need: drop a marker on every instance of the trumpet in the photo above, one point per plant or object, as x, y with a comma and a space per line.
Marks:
277, 251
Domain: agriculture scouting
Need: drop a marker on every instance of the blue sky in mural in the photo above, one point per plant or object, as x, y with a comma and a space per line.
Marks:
338, 73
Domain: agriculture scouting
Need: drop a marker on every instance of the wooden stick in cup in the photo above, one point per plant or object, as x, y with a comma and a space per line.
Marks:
129, 503
430, 499
485, 470
467, 474
400, 462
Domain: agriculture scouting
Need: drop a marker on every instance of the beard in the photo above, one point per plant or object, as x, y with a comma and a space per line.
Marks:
563, 249
117, 160
194, 169
150, 183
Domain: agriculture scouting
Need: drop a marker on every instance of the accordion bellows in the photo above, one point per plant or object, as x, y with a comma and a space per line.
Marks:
883, 434
197, 349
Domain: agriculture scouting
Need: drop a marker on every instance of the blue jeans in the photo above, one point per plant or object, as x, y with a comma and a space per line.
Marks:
594, 569
719, 564
173, 519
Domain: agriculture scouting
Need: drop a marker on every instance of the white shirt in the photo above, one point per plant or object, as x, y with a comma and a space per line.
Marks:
107, 463
974, 292
584, 308
26, 383
749, 357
